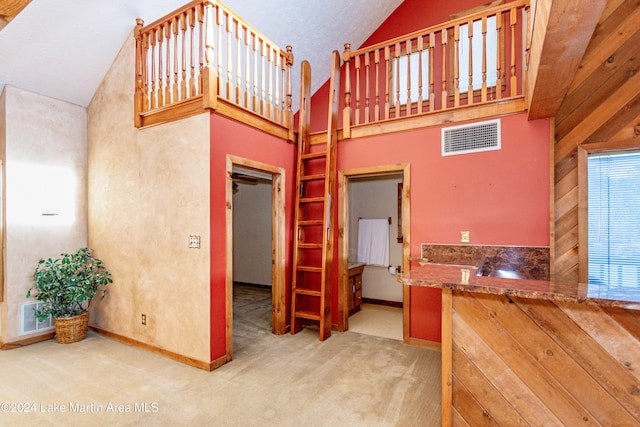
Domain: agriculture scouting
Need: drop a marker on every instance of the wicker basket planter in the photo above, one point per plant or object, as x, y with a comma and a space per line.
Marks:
72, 329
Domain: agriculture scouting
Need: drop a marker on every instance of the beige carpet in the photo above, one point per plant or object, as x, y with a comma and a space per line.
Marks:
292, 380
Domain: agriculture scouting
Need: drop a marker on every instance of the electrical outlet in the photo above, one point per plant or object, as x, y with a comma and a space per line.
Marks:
144, 319
464, 237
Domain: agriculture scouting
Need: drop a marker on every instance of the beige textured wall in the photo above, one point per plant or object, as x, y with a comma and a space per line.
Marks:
148, 191
45, 169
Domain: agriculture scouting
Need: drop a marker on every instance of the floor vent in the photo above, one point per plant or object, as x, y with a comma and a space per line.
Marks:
473, 138
28, 321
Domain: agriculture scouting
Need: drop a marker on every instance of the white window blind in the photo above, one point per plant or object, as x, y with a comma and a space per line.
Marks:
614, 219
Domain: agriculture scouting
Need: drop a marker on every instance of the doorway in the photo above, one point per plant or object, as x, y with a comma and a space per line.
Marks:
351, 181
262, 260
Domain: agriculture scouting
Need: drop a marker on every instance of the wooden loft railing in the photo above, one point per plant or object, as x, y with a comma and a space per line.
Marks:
204, 56
473, 60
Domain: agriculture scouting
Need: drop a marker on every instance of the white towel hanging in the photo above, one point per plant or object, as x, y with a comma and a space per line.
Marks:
373, 241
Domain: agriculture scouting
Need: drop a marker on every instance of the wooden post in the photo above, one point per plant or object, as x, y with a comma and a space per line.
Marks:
209, 73
138, 100
288, 113
514, 79
346, 113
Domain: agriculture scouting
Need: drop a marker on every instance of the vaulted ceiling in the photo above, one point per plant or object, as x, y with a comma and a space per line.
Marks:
63, 48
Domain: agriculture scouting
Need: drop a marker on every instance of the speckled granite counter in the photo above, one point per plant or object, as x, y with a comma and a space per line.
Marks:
463, 278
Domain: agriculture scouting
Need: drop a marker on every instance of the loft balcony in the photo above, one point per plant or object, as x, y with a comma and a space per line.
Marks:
472, 66
202, 57
205, 57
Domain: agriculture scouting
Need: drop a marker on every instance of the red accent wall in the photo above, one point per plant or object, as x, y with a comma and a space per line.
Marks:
231, 137
501, 197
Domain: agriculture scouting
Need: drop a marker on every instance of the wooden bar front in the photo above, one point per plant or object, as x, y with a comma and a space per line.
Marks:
538, 358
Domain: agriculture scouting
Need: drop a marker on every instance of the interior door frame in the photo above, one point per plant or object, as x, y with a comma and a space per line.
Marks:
343, 238
278, 288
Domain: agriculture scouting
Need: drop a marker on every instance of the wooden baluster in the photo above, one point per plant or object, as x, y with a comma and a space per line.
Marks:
153, 101
145, 67
408, 54
346, 113
356, 113
192, 60
445, 95
376, 107
160, 67
420, 48
432, 84
387, 58
470, 88
183, 84
456, 65
499, 55
254, 100
270, 62
514, 80
263, 99
229, 63
176, 83
219, 21
396, 59
239, 95
483, 92
367, 84
247, 68
167, 33
279, 74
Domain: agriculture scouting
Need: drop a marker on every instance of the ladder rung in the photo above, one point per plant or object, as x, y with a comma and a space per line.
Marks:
307, 292
311, 222
308, 315
312, 177
309, 269
311, 199
309, 245
315, 155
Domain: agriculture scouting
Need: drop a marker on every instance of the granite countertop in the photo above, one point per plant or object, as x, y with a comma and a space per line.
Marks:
463, 278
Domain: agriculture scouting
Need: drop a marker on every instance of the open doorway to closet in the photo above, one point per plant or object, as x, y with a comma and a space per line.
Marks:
255, 247
371, 301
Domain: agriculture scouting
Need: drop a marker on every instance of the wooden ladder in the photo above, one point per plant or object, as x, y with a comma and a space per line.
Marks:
313, 239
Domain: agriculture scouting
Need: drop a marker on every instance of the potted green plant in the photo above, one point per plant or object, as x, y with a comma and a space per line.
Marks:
66, 286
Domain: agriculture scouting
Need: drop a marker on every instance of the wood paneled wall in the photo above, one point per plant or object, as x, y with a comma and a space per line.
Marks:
601, 110
532, 362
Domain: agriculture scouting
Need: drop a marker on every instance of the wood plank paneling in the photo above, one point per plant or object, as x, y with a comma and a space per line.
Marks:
529, 361
601, 106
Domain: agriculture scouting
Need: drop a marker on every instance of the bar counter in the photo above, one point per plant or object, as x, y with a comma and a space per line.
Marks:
464, 278
534, 352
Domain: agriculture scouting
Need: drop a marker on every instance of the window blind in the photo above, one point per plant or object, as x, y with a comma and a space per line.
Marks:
614, 219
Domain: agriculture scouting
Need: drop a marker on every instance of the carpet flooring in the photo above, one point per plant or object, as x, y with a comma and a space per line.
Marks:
351, 379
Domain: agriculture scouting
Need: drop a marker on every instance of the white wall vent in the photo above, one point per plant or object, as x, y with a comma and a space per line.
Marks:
28, 321
472, 138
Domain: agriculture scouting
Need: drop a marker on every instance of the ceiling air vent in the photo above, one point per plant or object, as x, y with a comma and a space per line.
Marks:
473, 138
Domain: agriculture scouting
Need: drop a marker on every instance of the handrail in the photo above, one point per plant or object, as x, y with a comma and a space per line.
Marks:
471, 60
203, 52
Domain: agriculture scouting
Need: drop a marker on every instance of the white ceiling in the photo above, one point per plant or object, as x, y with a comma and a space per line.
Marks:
63, 48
